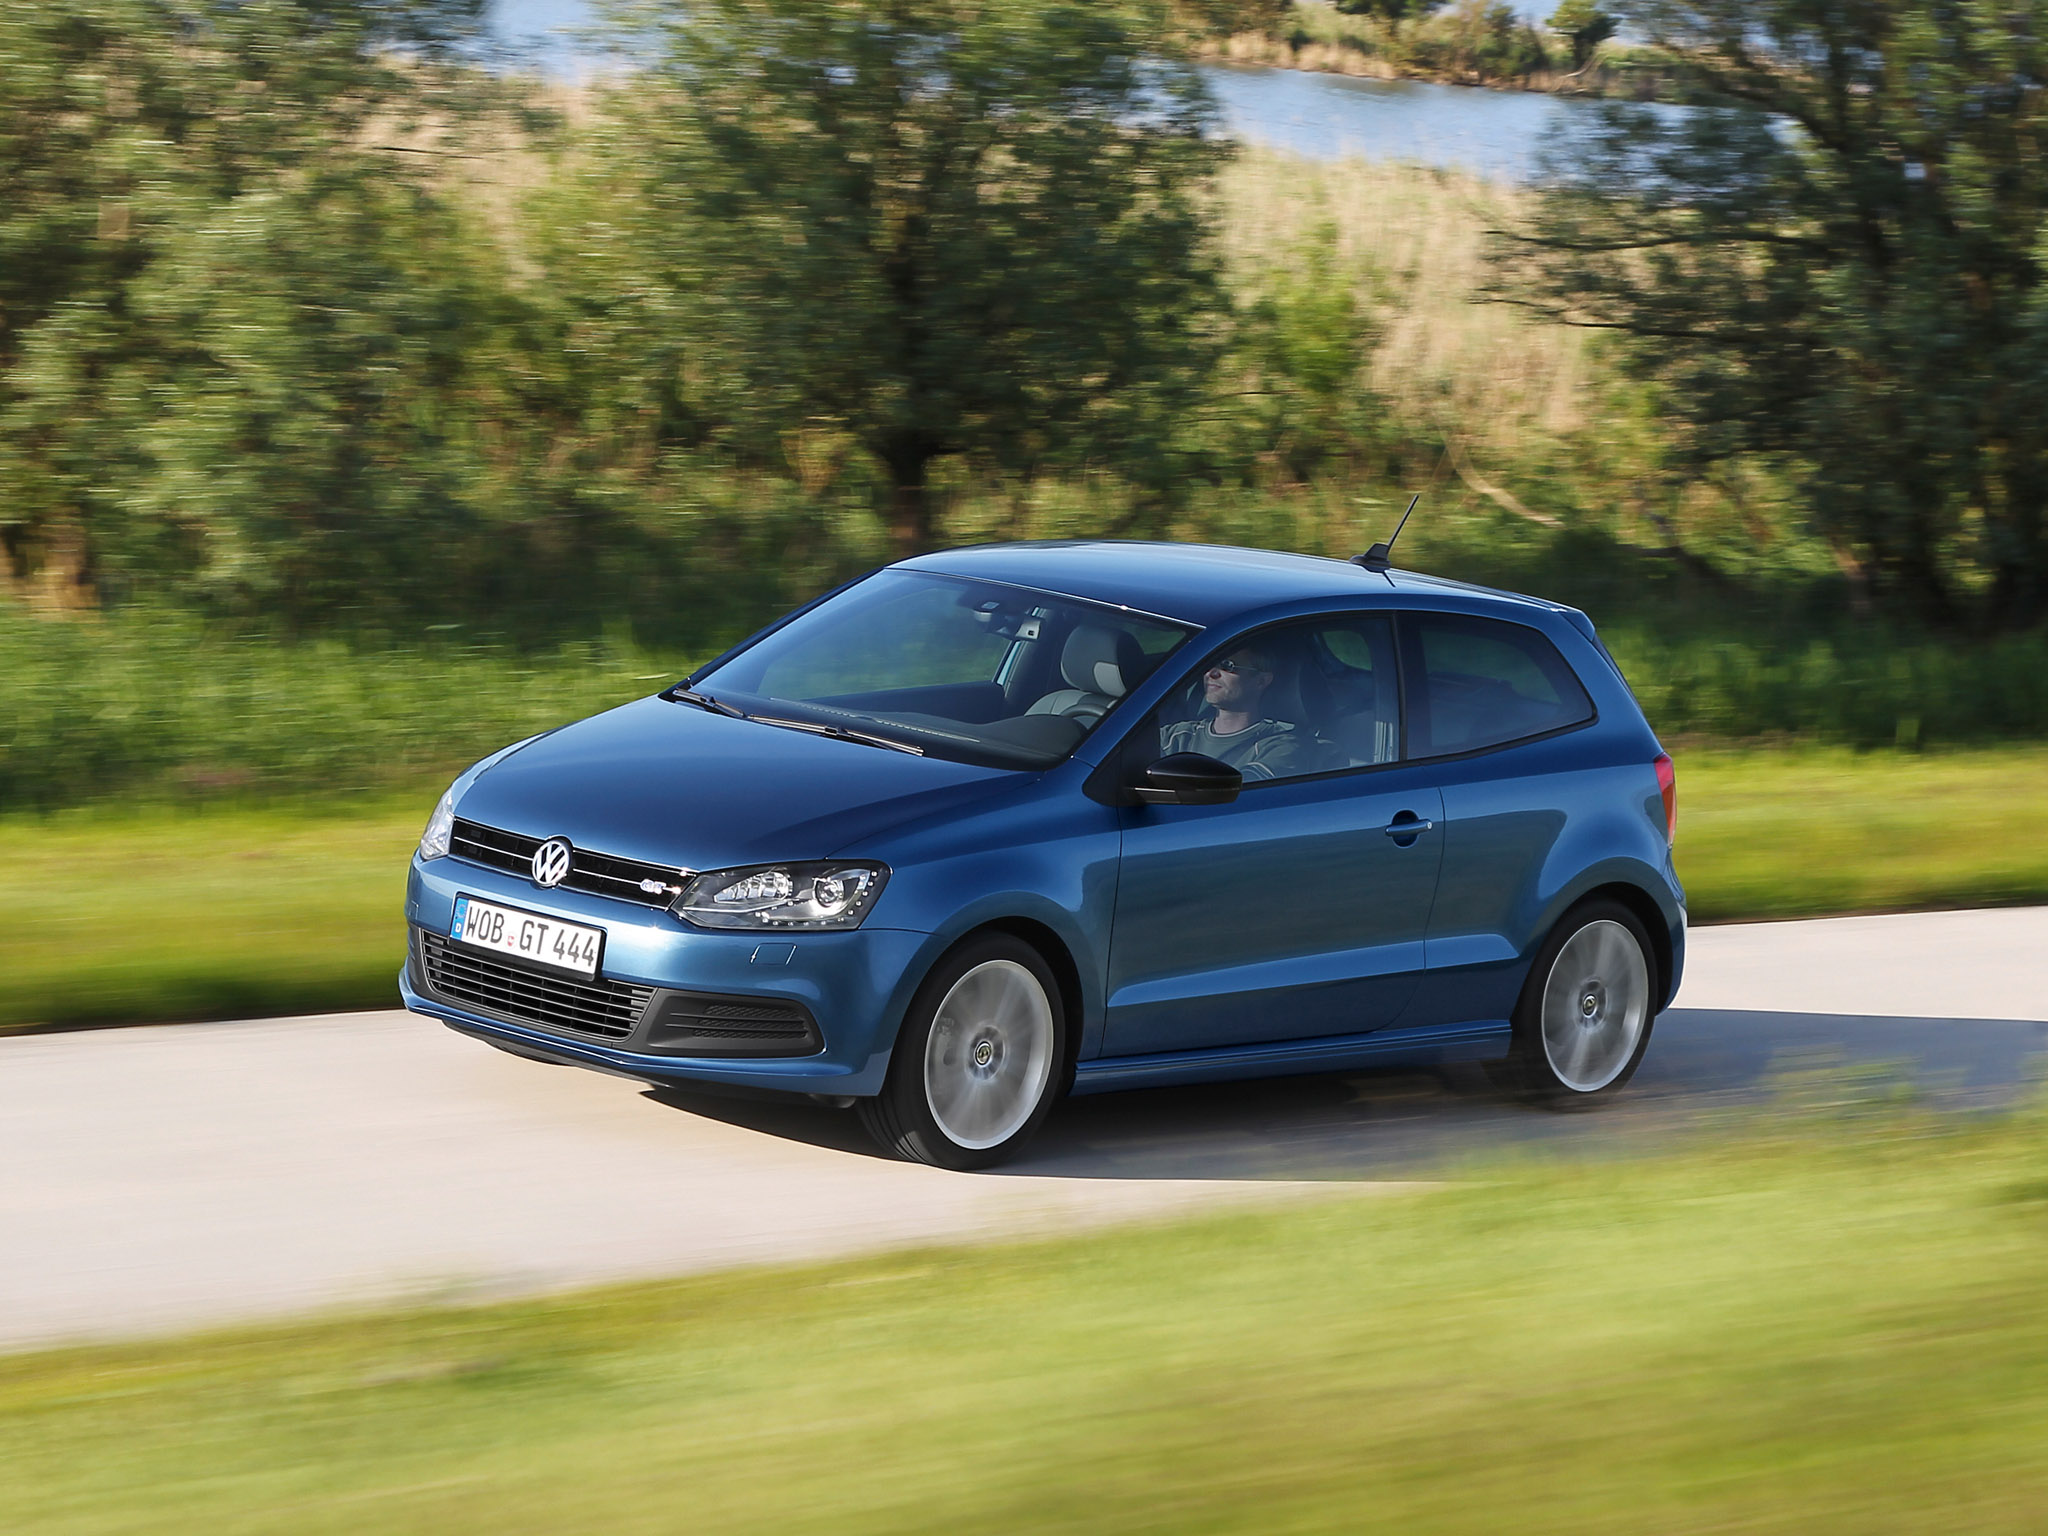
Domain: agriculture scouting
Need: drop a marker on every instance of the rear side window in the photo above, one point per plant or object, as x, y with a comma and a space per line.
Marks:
1478, 683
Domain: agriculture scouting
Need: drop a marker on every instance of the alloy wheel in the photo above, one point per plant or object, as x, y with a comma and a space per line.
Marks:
989, 1054
1596, 1002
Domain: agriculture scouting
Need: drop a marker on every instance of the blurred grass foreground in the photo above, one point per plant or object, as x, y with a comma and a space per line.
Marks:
1833, 1325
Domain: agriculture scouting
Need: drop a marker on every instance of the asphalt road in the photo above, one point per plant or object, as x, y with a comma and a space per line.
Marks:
163, 1177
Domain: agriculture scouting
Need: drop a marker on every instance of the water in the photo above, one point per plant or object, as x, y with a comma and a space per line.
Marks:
1325, 117
1328, 117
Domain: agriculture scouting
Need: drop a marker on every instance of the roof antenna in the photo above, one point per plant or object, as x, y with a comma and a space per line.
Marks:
1380, 556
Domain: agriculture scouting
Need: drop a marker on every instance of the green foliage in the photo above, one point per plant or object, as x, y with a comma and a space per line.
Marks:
121, 123
1478, 39
1390, 10
1837, 269
161, 707
312, 336
300, 423
1475, 41
1585, 26
937, 227
1227, 17
158, 707
1304, 341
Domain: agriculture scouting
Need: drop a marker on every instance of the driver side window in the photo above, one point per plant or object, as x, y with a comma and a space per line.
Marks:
1305, 698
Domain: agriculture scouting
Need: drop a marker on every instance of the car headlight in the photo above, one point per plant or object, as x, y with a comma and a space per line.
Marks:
440, 825
811, 896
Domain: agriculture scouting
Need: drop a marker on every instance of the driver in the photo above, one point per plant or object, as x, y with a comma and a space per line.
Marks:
1237, 732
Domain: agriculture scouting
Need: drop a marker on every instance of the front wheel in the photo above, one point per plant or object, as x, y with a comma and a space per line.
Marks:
978, 1061
1585, 1014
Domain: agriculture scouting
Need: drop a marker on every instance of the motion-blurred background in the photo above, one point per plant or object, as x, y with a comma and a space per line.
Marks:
384, 380
381, 380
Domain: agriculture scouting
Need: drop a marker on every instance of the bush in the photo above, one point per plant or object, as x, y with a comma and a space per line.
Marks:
157, 707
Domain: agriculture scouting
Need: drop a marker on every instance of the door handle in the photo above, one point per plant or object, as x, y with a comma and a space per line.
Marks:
1414, 826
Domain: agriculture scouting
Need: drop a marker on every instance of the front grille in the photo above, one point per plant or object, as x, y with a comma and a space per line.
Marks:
705, 1024
599, 874
528, 996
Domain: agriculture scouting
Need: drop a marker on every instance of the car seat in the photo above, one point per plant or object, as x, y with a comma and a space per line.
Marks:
1299, 696
1099, 666
1360, 728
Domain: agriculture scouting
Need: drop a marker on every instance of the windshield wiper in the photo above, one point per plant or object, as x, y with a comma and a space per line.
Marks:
839, 732
704, 701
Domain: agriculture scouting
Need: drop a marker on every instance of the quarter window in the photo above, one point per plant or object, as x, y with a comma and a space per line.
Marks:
1479, 683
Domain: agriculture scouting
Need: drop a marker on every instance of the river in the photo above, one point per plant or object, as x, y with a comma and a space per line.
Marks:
1326, 117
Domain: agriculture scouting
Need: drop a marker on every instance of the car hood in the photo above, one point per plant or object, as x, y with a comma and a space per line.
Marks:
674, 784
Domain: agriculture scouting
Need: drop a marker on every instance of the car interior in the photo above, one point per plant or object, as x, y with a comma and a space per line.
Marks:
1048, 675
1335, 684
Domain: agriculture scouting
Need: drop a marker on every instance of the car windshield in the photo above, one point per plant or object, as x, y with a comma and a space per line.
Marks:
973, 670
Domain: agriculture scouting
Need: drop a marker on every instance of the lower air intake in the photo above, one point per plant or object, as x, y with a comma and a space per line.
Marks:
525, 994
706, 1024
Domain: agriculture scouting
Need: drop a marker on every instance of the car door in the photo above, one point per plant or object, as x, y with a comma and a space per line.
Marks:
1487, 700
1299, 909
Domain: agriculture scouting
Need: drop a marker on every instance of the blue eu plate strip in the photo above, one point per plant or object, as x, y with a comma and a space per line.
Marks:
461, 911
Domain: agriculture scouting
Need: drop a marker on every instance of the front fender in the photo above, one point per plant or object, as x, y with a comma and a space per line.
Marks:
1048, 859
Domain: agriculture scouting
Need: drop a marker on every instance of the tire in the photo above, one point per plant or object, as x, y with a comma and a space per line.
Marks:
1584, 1018
979, 1060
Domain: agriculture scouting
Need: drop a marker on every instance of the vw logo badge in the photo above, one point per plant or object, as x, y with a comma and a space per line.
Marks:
551, 863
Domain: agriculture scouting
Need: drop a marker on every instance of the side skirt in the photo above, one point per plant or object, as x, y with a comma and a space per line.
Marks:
1481, 1040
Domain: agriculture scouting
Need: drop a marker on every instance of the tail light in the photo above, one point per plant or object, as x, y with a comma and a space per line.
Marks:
1667, 785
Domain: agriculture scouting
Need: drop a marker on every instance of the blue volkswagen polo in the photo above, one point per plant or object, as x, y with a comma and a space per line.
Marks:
987, 827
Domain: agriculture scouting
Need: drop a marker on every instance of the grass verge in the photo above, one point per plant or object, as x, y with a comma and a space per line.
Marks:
1810, 832
213, 912
207, 911
1834, 1326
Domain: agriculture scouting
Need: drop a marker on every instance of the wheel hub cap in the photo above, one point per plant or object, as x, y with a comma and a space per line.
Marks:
1596, 1004
989, 1054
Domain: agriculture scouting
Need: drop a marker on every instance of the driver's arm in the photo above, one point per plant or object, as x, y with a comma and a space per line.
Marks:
1279, 756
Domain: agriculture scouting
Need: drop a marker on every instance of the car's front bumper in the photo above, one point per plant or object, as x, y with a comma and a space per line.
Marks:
852, 985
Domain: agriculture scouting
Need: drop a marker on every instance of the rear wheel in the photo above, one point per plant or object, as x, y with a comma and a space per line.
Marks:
976, 1066
1586, 1010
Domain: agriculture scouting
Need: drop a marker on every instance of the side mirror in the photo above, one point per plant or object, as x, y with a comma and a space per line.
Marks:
1188, 778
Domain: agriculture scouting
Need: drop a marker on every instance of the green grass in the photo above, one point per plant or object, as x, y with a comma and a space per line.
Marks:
1803, 833
213, 911
1834, 1325
206, 912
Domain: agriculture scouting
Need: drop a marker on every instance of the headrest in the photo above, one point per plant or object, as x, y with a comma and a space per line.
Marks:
1282, 699
1098, 660
1298, 694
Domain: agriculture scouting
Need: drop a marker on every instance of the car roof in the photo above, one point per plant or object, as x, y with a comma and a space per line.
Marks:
1201, 584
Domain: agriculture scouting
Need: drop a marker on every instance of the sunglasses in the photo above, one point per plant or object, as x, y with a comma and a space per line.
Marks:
1235, 668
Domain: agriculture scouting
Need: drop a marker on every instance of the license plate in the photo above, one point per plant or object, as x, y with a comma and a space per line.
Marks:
544, 940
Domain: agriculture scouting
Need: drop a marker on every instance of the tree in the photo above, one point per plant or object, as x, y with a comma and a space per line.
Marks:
121, 123
1585, 26
1302, 354
940, 227
299, 433
1836, 267
1391, 10
1228, 17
